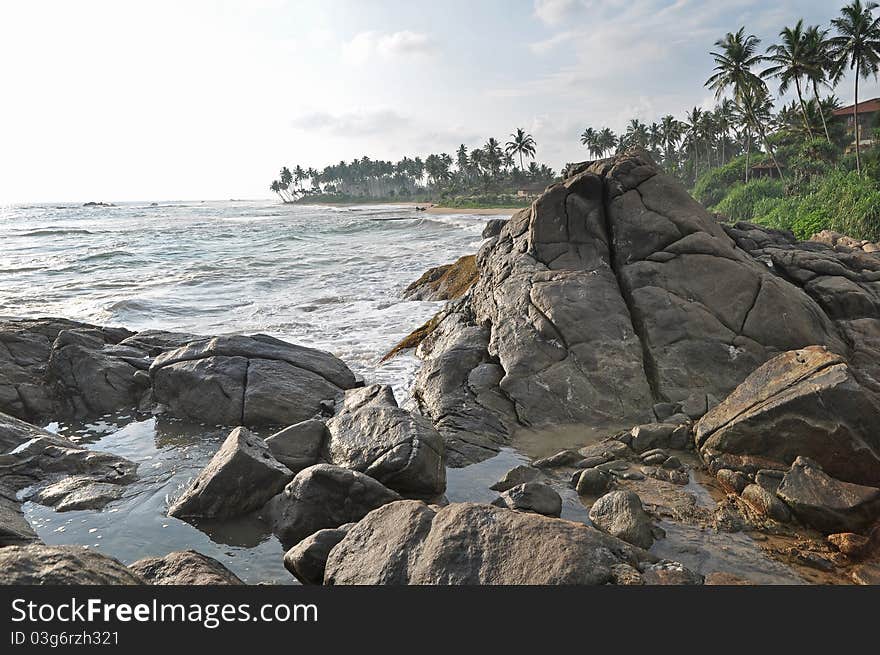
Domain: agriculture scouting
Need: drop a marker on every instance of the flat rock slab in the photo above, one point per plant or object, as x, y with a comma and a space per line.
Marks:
802, 402
827, 504
239, 479
408, 542
62, 565
186, 567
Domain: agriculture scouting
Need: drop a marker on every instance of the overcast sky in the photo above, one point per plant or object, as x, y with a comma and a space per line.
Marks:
207, 99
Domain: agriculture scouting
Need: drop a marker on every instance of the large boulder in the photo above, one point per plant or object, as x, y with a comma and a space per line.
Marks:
308, 559
300, 445
252, 381
185, 567
614, 292
804, 402
239, 479
827, 504
403, 451
324, 496
408, 542
61, 565
620, 514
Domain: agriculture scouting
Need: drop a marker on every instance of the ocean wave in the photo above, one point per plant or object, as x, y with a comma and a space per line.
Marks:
102, 256
53, 232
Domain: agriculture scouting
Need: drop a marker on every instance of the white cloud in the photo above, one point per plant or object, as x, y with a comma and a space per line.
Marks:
366, 45
553, 12
352, 124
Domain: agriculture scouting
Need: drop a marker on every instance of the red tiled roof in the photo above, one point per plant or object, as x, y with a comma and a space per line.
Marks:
865, 107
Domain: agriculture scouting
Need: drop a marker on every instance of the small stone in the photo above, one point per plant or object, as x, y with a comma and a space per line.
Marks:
655, 459
866, 574
769, 479
722, 578
695, 406
732, 481
670, 573
651, 435
766, 503
531, 497
664, 410
562, 458
590, 462
850, 544
672, 463
620, 514
626, 575
614, 465
515, 476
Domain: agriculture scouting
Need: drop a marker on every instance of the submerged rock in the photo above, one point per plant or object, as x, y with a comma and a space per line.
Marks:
804, 402
78, 492
251, 381
239, 479
371, 434
324, 496
408, 542
185, 567
827, 504
61, 565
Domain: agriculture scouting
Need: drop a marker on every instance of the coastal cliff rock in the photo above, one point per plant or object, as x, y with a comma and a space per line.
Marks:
408, 542
446, 282
616, 292
372, 435
806, 403
251, 381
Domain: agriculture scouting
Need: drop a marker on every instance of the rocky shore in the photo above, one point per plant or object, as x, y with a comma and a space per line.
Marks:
711, 382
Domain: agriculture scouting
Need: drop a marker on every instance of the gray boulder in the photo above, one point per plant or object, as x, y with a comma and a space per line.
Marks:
256, 380
61, 565
324, 496
78, 492
531, 497
308, 559
185, 567
371, 434
493, 227
766, 503
239, 479
620, 514
593, 482
827, 504
408, 542
299, 446
516, 476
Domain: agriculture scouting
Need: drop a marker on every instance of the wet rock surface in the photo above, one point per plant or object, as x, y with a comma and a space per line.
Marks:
62, 565
184, 568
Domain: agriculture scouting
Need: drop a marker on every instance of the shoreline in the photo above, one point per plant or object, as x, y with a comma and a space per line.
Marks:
429, 207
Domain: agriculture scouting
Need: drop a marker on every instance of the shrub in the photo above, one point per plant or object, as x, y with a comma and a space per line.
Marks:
714, 184
741, 201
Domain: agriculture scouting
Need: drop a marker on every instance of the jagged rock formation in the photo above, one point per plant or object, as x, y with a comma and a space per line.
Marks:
617, 291
446, 282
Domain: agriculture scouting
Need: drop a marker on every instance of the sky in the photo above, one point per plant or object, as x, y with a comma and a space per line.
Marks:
207, 99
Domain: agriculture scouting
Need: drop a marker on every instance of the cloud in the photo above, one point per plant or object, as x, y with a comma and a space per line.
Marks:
405, 43
364, 122
554, 12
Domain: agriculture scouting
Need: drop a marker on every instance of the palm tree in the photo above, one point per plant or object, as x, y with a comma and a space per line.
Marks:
276, 188
857, 45
734, 60
821, 68
492, 149
692, 132
590, 138
521, 144
791, 60
606, 140
671, 131
636, 134
461, 159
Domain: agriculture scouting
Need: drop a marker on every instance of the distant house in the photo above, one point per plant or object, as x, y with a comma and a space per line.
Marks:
764, 169
868, 112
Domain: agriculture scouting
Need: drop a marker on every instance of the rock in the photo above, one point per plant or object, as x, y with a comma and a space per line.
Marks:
240, 478
725, 579
652, 435
408, 542
14, 527
446, 282
672, 463
656, 458
562, 458
185, 567
403, 451
251, 381
593, 482
299, 446
825, 503
307, 560
663, 411
695, 406
78, 492
493, 227
531, 497
863, 574
850, 544
732, 481
764, 502
804, 402
626, 575
516, 476
769, 479
620, 514
61, 565
670, 573
15, 432
324, 496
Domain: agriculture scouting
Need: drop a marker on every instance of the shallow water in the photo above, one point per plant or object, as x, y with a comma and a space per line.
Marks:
326, 277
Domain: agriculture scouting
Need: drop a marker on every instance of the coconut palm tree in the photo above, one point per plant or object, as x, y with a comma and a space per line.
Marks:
636, 134
521, 144
693, 123
857, 45
671, 131
590, 138
461, 160
821, 66
736, 57
606, 140
791, 63
275, 187
493, 153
